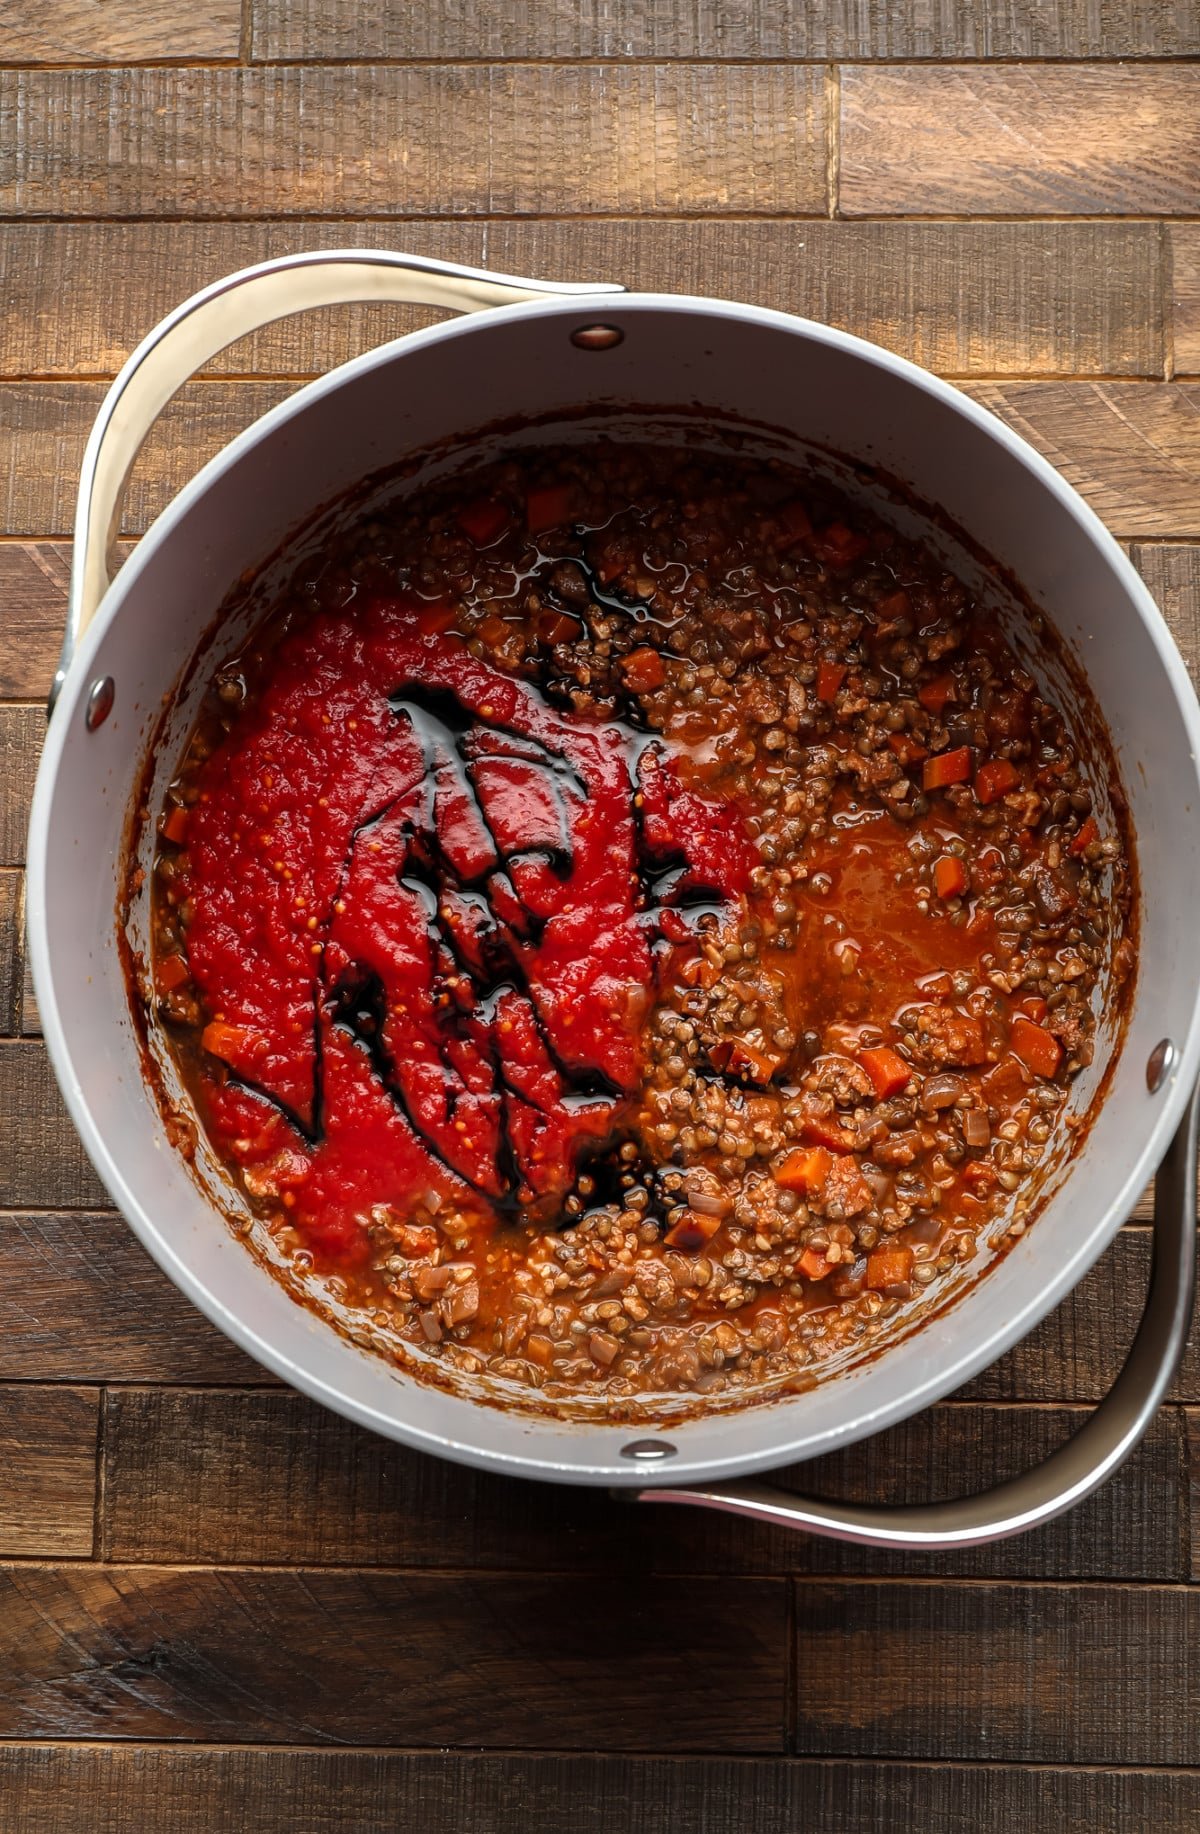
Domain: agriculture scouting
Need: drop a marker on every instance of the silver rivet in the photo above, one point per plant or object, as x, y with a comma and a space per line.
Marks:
1159, 1065
648, 1451
100, 700
597, 337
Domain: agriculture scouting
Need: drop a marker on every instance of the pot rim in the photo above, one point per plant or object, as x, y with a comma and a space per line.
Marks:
952, 1371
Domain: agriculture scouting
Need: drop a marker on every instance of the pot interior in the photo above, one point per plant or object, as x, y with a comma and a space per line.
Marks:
866, 423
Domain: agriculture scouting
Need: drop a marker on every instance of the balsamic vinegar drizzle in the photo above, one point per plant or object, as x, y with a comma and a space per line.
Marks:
454, 742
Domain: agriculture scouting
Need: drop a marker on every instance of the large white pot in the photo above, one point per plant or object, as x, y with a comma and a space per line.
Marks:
519, 363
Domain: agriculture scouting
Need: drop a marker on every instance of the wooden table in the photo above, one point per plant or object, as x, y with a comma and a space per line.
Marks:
223, 1608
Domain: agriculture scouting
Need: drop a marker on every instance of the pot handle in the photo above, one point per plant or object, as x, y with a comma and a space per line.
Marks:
1087, 1460
219, 315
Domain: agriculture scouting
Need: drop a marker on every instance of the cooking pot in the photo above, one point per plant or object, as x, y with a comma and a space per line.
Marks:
543, 360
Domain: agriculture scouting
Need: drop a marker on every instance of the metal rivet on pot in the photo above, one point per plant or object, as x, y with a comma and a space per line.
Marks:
1159, 1065
597, 337
648, 1451
100, 700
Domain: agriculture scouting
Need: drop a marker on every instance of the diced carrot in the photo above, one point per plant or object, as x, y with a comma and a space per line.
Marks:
1089, 832
947, 767
742, 1058
995, 779
233, 1044
838, 545
795, 524
981, 1174
805, 1169
813, 1265
548, 507
886, 1069
173, 971
1033, 1006
895, 606
698, 971
692, 1231
934, 694
823, 1130
830, 676
557, 627
483, 520
492, 631
907, 749
889, 1267
643, 670
949, 876
175, 827
1037, 1048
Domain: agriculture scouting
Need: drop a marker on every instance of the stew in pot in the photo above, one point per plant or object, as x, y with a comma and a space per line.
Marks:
630, 923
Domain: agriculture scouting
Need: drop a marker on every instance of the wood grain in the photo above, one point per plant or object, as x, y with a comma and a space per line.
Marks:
48, 1456
1056, 1674
11, 955
335, 29
44, 429
117, 31
1076, 1353
244, 1657
362, 140
272, 1478
41, 1159
1096, 140
81, 1300
1173, 576
34, 577
1131, 448
22, 730
961, 298
382, 1792
1185, 297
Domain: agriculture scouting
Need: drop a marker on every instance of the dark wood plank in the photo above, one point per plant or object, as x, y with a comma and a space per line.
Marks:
1131, 448
1173, 576
962, 298
318, 29
1192, 1418
1076, 1353
127, 32
81, 1300
1046, 1674
34, 577
389, 140
329, 1792
1185, 297
22, 730
12, 966
1094, 140
243, 1657
273, 1479
48, 1457
44, 429
42, 1163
